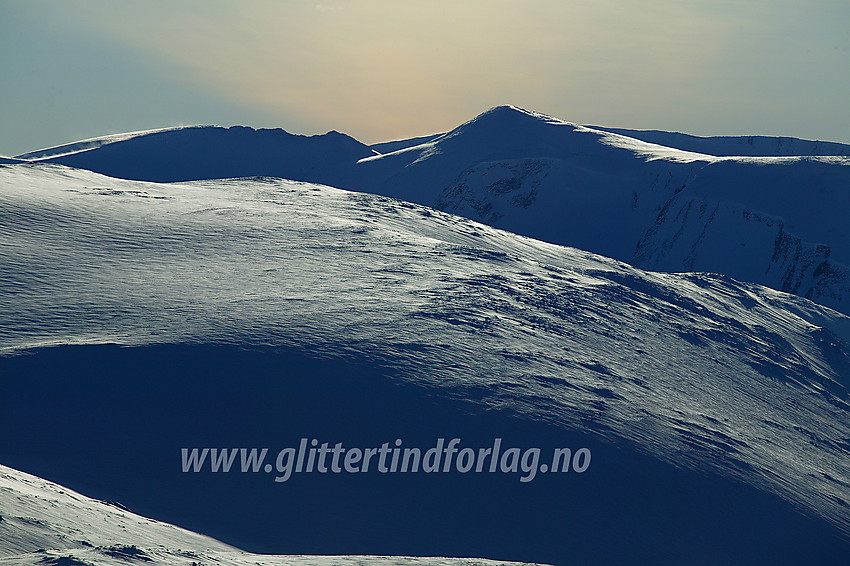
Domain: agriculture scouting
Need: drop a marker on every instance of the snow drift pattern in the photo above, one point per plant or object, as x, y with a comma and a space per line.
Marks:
697, 370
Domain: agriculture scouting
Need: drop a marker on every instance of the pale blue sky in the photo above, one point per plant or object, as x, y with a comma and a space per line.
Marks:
386, 69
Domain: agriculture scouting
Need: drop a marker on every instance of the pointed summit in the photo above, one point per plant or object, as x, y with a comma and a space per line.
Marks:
509, 111
505, 119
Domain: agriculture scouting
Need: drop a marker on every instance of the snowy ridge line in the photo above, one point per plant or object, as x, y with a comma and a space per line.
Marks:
90, 144
642, 143
698, 369
735, 146
660, 151
45, 523
93, 143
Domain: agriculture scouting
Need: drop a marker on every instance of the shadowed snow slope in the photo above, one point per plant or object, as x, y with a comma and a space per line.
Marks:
44, 523
211, 152
774, 220
256, 312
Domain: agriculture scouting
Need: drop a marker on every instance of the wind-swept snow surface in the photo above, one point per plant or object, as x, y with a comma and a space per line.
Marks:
262, 311
45, 523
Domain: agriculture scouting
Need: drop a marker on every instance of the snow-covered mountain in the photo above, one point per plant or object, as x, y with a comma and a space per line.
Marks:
778, 219
140, 318
45, 523
211, 152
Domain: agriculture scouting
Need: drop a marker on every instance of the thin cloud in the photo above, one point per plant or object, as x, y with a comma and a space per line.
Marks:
382, 69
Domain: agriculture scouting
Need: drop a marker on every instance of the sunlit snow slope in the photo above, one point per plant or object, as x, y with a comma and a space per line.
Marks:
773, 215
260, 311
731, 146
45, 523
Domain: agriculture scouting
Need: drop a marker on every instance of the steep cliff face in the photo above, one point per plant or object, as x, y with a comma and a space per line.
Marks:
778, 223
698, 235
492, 189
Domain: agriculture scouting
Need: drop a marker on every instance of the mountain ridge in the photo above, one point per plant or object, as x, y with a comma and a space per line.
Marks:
208, 152
736, 146
657, 207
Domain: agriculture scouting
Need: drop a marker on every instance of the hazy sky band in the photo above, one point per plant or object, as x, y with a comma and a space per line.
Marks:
382, 70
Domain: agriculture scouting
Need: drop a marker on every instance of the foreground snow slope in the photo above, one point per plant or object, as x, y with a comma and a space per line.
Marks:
734, 392
40, 516
45, 523
657, 200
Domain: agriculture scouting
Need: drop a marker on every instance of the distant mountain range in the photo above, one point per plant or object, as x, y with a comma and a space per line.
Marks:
771, 211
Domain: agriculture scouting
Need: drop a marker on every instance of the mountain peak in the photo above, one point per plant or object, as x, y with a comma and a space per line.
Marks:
506, 109
507, 115
513, 125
